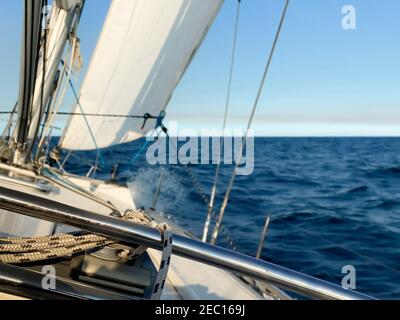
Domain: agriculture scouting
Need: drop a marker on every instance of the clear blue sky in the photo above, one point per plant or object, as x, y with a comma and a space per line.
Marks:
323, 80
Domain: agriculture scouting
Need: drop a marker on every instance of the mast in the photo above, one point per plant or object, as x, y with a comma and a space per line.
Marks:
30, 48
43, 66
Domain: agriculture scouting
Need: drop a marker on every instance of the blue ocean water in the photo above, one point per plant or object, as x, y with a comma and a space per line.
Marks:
332, 201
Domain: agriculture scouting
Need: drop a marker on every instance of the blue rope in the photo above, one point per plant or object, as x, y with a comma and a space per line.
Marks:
159, 124
160, 119
138, 154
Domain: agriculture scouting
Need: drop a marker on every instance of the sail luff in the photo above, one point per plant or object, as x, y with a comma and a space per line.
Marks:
142, 53
61, 22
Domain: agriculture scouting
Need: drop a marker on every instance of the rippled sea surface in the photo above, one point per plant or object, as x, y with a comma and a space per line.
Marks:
332, 201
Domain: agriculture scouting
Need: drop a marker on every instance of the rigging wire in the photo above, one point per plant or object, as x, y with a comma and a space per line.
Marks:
227, 103
263, 80
56, 103
7, 130
100, 156
145, 116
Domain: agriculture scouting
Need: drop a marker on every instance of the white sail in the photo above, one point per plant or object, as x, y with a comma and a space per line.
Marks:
143, 51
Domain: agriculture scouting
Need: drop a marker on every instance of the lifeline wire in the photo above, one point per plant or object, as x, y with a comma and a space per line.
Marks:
264, 78
228, 97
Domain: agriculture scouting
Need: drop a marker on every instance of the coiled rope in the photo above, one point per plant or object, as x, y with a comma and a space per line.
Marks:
17, 250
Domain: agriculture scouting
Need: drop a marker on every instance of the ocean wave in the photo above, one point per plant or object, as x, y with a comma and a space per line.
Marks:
354, 190
386, 204
338, 190
389, 171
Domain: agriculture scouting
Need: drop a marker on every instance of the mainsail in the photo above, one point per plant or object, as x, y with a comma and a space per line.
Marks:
142, 53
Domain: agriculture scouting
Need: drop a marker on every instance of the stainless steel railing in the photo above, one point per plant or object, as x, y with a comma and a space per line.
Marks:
129, 232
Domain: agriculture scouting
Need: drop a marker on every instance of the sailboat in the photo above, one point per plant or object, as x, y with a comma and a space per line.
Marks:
65, 236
